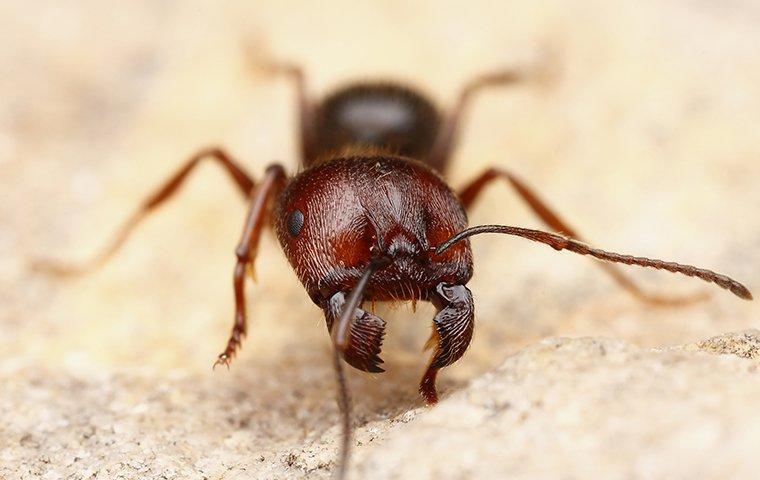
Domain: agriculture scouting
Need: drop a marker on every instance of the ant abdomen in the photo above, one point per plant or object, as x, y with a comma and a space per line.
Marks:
385, 116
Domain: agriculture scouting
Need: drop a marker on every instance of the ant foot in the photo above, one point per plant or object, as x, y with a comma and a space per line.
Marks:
224, 359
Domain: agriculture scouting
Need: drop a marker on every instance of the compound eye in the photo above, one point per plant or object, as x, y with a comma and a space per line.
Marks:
295, 222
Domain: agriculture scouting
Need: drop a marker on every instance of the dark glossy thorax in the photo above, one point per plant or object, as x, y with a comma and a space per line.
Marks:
389, 117
333, 218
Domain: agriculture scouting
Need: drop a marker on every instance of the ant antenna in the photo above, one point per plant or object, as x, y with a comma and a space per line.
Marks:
340, 341
559, 242
344, 404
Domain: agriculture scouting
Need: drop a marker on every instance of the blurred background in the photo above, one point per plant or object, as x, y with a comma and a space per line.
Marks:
647, 141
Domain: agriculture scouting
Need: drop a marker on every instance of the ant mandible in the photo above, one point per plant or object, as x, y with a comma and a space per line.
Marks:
370, 218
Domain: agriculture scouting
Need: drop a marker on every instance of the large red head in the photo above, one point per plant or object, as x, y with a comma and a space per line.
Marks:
334, 218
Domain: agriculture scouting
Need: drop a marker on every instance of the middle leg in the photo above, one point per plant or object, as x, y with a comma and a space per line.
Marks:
551, 219
162, 194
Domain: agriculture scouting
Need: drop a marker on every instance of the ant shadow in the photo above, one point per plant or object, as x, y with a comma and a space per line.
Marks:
295, 388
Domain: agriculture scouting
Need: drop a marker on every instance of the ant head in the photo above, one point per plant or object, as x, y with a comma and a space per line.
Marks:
334, 219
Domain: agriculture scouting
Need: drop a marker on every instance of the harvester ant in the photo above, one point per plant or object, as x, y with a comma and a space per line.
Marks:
369, 217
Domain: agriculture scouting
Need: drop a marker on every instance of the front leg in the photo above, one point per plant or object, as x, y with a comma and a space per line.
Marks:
365, 335
453, 327
270, 186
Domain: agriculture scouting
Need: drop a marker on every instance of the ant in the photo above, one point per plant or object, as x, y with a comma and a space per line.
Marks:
369, 218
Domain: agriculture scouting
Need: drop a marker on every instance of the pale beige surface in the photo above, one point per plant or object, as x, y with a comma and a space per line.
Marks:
561, 408
648, 142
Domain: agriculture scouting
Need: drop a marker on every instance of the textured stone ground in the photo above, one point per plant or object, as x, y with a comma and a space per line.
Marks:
579, 408
648, 141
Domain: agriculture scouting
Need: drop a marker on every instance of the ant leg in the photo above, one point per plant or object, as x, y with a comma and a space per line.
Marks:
453, 327
306, 109
447, 134
154, 200
365, 335
271, 184
552, 220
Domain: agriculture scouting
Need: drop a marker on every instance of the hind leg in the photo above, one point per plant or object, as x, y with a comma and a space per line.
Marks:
446, 140
305, 105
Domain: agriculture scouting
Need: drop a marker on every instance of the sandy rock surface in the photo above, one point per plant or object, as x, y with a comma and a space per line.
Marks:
647, 141
590, 408
587, 407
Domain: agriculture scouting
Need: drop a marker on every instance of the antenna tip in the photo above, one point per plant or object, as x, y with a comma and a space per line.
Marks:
741, 291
